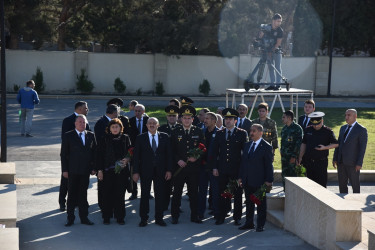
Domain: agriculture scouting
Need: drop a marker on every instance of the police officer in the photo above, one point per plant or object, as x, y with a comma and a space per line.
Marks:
317, 141
269, 126
224, 159
186, 168
172, 112
291, 139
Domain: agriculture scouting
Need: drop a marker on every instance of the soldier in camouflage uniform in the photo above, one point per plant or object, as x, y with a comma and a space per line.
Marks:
291, 139
269, 126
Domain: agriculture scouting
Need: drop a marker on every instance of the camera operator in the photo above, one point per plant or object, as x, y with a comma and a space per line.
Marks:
271, 36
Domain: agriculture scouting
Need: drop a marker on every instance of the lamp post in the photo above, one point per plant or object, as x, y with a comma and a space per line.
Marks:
3, 157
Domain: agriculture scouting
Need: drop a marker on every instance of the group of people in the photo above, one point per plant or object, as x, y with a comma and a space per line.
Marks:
209, 152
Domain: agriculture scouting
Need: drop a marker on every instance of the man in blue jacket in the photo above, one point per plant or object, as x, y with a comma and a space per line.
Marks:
27, 97
256, 169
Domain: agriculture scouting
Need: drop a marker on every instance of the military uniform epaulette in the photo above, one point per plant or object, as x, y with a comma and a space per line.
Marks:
241, 129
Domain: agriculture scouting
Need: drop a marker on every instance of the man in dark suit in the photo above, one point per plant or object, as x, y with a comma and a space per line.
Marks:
224, 159
124, 119
256, 169
172, 112
308, 108
77, 162
137, 126
152, 162
201, 117
348, 157
242, 121
67, 125
186, 167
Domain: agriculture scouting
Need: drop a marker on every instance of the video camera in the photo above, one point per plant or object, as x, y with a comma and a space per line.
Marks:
267, 42
265, 27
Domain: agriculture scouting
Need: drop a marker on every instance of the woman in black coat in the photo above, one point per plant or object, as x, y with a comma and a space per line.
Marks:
113, 171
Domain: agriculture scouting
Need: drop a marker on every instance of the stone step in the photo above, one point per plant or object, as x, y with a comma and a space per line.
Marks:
275, 201
7, 172
355, 245
276, 217
8, 208
9, 238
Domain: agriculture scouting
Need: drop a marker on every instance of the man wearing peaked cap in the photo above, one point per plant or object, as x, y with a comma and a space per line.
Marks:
224, 159
186, 100
188, 110
116, 101
316, 143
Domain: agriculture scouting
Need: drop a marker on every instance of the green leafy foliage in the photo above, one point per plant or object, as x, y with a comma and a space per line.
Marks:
83, 83
16, 88
159, 88
204, 87
119, 85
138, 92
38, 79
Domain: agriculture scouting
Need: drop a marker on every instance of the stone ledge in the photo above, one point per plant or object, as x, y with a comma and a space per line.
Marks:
276, 217
355, 245
9, 238
276, 201
371, 239
7, 172
8, 208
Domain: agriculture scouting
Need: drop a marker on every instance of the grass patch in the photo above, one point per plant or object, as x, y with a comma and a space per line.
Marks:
335, 118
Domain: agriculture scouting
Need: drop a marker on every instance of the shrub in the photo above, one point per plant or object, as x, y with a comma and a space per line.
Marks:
38, 79
204, 87
119, 85
16, 88
138, 92
83, 83
159, 89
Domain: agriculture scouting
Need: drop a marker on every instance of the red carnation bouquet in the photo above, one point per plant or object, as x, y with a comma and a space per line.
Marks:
130, 153
194, 153
230, 190
119, 165
259, 195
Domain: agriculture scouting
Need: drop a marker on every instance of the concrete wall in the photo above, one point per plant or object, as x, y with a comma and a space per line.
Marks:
183, 74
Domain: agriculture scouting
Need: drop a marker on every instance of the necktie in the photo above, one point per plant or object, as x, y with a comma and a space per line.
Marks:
172, 127
251, 151
139, 126
80, 137
346, 132
154, 147
305, 122
186, 132
240, 125
228, 135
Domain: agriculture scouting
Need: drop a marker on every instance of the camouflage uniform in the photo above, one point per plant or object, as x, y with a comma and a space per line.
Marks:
291, 139
269, 131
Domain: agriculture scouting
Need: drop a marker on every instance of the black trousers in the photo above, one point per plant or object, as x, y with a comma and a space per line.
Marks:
63, 191
192, 181
316, 170
250, 206
345, 173
114, 187
224, 203
77, 195
159, 190
168, 191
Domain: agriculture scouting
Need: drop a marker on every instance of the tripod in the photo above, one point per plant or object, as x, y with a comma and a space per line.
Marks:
265, 59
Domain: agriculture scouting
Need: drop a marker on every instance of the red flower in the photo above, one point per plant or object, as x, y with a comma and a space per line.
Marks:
202, 147
227, 195
130, 152
255, 200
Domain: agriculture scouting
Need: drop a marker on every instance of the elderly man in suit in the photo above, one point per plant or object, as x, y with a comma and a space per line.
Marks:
77, 162
67, 125
242, 121
152, 162
348, 157
256, 169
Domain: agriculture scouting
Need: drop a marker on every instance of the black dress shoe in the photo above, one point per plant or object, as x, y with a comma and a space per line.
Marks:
120, 221
161, 223
106, 221
219, 221
196, 220
259, 229
87, 222
237, 222
174, 221
150, 197
132, 197
69, 223
247, 227
143, 223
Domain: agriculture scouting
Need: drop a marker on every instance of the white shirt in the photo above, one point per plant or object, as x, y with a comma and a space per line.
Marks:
83, 136
308, 120
350, 130
256, 144
156, 139
109, 119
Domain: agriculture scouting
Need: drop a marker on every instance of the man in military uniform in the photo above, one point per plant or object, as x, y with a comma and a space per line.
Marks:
186, 101
224, 159
172, 112
269, 126
186, 169
317, 141
291, 139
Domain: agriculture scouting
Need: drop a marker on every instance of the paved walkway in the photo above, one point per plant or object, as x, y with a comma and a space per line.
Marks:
41, 224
